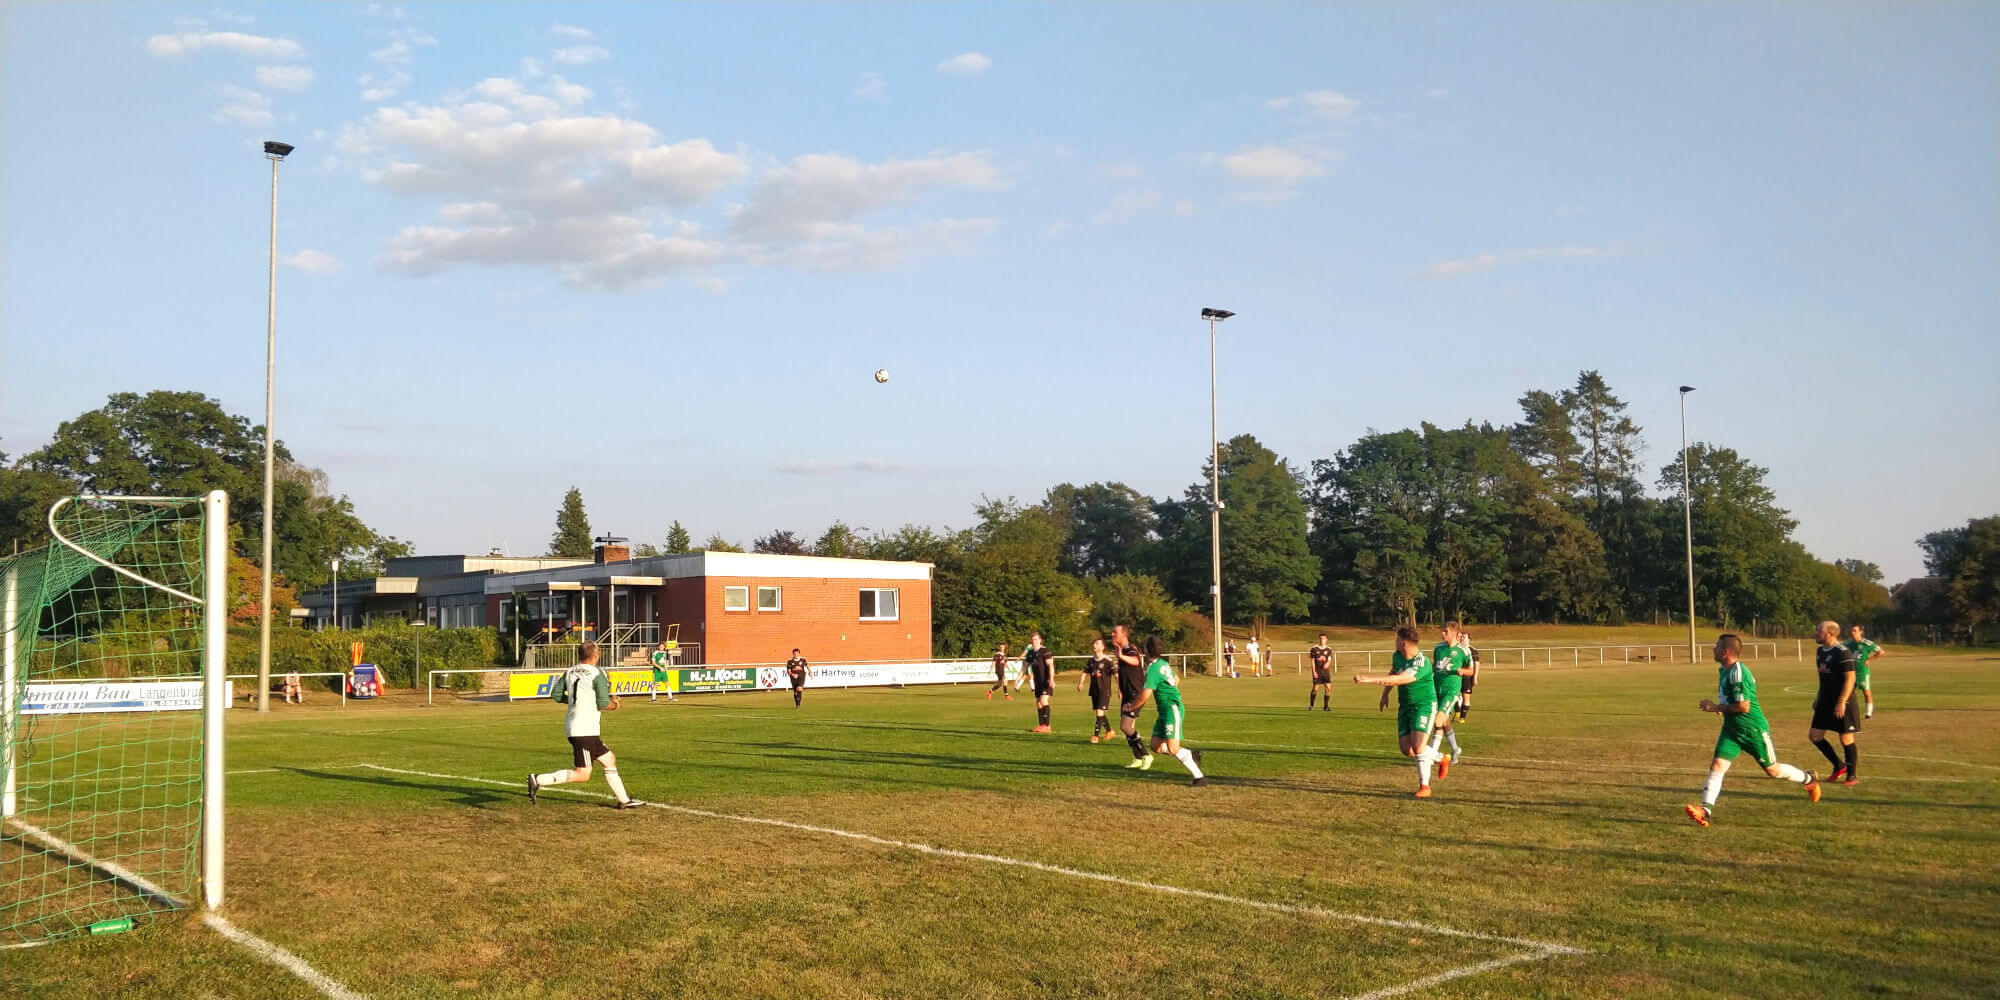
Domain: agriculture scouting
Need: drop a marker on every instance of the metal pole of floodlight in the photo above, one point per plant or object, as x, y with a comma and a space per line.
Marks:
1687, 521
1214, 316
333, 620
275, 152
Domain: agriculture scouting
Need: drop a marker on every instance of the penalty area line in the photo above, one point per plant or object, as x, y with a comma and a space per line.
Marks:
1537, 949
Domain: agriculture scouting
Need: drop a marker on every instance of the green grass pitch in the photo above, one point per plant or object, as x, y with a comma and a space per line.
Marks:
1557, 851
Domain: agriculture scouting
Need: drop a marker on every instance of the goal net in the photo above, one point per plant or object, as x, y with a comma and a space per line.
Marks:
111, 639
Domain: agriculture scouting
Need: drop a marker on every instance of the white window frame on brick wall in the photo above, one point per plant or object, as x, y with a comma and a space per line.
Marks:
778, 598
897, 615
744, 591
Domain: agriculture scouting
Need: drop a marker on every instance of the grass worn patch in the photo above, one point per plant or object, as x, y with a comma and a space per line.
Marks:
1562, 825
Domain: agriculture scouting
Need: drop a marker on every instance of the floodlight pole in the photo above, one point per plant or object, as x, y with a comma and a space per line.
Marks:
1687, 521
275, 152
333, 622
1214, 316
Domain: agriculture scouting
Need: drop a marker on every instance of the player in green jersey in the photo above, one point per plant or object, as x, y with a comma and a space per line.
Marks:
1864, 649
1164, 689
1743, 728
1416, 703
1451, 662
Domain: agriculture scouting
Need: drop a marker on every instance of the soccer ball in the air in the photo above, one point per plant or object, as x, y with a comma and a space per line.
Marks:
881, 374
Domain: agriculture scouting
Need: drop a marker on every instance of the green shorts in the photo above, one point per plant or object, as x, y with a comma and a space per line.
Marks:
1415, 719
1737, 738
1861, 679
1447, 696
1167, 724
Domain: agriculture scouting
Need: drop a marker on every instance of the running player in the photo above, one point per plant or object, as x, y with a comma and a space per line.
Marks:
1743, 728
1170, 718
1101, 672
587, 691
1835, 709
795, 670
1864, 649
1000, 673
1039, 662
1416, 703
1449, 663
1131, 685
1322, 657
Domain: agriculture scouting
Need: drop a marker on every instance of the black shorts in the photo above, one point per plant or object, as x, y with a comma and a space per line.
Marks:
1045, 683
1465, 684
584, 749
1824, 719
1322, 675
798, 682
1100, 693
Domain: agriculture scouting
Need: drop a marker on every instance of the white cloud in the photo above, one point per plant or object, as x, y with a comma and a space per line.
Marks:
242, 107
1055, 229
292, 78
965, 64
1123, 171
1184, 207
1271, 165
402, 47
1127, 206
579, 55
1326, 105
313, 262
803, 214
1489, 261
381, 88
869, 87
561, 30
522, 176
253, 46
822, 466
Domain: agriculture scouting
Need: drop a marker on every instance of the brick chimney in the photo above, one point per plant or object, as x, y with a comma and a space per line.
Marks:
611, 549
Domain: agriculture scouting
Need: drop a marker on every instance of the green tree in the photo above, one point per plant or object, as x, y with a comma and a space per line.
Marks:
1105, 523
1266, 567
1368, 516
1743, 556
783, 543
1967, 562
572, 534
25, 497
677, 541
1861, 568
1546, 440
1007, 585
717, 543
840, 542
1140, 602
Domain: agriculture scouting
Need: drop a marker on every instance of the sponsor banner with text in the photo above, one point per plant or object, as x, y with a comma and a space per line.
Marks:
538, 684
111, 696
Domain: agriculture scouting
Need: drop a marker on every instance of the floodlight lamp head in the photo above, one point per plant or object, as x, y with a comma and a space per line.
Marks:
1686, 389
277, 150
611, 539
1214, 314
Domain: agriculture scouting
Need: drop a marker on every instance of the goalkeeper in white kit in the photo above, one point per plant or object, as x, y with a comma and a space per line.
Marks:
586, 689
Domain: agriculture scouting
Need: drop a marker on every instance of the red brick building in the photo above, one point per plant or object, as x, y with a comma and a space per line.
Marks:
731, 607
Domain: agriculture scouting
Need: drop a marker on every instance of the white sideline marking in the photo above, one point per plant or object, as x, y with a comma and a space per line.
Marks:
263, 949
1537, 949
281, 958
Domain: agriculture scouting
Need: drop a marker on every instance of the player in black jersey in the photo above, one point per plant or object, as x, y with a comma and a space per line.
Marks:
1131, 684
1039, 663
1835, 709
1322, 657
1000, 673
795, 671
1101, 672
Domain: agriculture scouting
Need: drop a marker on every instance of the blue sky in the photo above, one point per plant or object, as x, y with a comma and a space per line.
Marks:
657, 251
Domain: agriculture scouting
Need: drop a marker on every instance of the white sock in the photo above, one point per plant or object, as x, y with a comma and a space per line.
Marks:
552, 778
1186, 757
617, 784
1452, 735
1713, 790
1424, 767
1789, 773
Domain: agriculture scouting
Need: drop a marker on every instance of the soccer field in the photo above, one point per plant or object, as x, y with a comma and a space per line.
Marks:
923, 843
